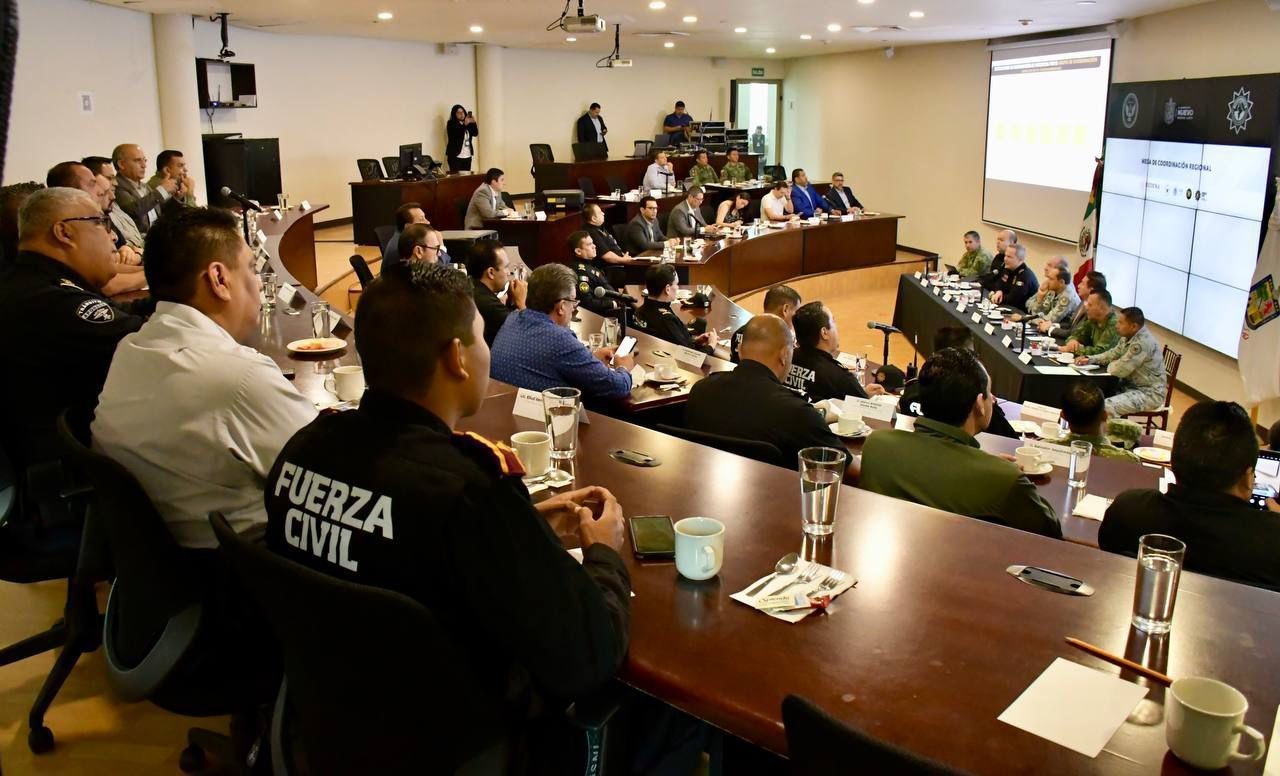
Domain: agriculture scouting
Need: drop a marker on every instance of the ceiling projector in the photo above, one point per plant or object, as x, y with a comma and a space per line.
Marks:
584, 24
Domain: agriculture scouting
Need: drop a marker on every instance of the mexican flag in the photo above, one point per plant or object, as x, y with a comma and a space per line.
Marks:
1088, 240
1260, 337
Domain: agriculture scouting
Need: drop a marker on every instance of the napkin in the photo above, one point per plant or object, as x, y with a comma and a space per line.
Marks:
778, 583
1092, 507
1074, 706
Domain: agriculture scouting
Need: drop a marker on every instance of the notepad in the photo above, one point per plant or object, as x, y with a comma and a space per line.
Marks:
1075, 706
1092, 507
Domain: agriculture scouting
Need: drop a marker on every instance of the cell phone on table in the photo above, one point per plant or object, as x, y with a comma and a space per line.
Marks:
624, 349
653, 537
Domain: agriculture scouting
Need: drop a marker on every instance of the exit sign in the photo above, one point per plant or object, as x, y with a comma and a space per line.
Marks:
757, 72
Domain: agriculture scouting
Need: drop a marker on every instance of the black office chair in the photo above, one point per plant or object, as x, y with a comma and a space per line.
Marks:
460, 208
709, 212
818, 744
31, 551
616, 183
541, 152
765, 452
508, 201
397, 714
620, 234
384, 235
776, 171
640, 149
660, 141
663, 219
588, 188
590, 152
370, 169
392, 165
363, 273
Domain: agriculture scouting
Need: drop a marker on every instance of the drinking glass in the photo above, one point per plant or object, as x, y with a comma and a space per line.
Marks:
612, 333
595, 341
860, 366
1078, 470
269, 290
282, 200
320, 326
561, 408
821, 471
1159, 566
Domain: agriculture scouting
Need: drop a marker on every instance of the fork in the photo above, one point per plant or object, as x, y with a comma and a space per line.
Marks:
808, 576
831, 582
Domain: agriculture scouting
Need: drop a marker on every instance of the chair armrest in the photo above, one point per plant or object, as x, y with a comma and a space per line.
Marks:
135, 683
595, 712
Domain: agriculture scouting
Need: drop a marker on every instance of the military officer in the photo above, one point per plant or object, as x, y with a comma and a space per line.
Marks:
1137, 359
1097, 332
656, 317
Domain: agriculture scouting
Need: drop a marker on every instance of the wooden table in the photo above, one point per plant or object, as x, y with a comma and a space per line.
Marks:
297, 244
540, 242
934, 642
565, 175
374, 203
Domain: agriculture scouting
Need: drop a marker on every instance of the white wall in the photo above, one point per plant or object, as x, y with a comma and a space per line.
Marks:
332, 100
909, 132
70, 46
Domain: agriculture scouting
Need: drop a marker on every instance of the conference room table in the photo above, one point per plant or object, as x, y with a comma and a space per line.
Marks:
540, 242
919, 313
374, 203
628, 170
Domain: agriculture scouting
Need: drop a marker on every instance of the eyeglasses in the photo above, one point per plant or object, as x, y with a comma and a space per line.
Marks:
102, 221
436, 248
569, 299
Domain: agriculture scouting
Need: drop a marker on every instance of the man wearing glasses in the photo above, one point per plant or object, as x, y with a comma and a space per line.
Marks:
535, 348
419, 242
644, 233
52, 292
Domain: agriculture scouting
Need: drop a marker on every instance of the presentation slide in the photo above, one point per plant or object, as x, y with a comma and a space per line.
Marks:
1178, 233
1045, 120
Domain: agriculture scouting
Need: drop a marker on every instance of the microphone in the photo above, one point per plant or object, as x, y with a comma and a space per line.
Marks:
601, 292
244, 201
884, 327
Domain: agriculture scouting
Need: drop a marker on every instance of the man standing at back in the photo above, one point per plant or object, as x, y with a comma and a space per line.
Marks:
591, 127
143, 203
782, 301
957, 476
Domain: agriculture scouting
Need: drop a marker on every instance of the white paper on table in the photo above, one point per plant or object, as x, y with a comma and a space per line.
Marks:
1025, 357
1040, 412
847, 360
989, 329
1056, 370
904, 423
1058, 455
1272, 768
1007, 341
1092, 507
638, 376
1162, 439
870, 408
777, 584
976, 317
528, 404
965, 306
1074, 706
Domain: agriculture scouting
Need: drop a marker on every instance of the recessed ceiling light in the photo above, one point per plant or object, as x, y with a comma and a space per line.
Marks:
1086, 2
806, 37
865, 29
477, 28
570, 39
771, 50
833, 27
385, 16
668, 44
916, 14
739, 29
690, 20
866, 2
657, 5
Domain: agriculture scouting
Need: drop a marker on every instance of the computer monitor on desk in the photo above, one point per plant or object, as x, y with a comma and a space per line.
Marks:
411, 161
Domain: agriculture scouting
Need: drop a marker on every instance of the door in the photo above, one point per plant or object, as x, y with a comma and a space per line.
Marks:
756, 106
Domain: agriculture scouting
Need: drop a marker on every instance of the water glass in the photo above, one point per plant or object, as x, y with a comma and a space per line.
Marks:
269, 290
1078, 470
612, 333
821, 472
1159, 566
282, 200
595, 341
561, 406
320, 326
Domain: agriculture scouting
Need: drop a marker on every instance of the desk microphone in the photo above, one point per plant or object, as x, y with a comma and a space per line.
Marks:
884, 327
244, 201
600, 292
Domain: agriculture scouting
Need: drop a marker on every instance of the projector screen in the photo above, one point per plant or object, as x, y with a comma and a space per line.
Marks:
1046, 110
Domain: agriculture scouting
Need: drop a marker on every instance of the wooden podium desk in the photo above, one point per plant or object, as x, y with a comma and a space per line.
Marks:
374, 203
565, 175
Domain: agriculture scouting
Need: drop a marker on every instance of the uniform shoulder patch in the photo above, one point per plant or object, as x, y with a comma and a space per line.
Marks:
95, 311
495, 455
68, 284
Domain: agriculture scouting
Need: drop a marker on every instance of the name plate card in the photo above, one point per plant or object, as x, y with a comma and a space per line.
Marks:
919, 275
924, 282
870, 408
694, 358
1058, 455
946, 297
286, 293
962, 307
305, 206
1007, 341
1025, 358
529, 405
1162, 439
261, 237
989, 329
277, 215
1040, 412
976, 317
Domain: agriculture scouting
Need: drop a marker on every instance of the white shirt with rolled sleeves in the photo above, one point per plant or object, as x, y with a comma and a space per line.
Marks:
198, 419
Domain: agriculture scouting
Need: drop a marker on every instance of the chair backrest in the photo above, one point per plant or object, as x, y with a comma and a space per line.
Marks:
663, 219
154, 609
370, 170
375, 683
640, 149
660, 141
765, 452
620, 233
363, 273
1172, 360
588, 188
384, 235
590, 152
508, 201
460, 207
541, 152
818, 744
392, 165
616, 182
776, 171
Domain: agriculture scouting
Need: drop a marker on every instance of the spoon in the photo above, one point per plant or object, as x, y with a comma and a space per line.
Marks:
785, 565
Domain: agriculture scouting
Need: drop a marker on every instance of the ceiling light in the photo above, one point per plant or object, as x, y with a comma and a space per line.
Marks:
690, 20
1086, 2
570, 39
865, 29
668, 44
833, 27
657, 5
771, 50
806, 37
866, 2
385, 16
477, 28
739, 29
916, 14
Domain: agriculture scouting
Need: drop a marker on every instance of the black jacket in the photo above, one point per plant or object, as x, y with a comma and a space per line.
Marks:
833, 199
1225, 535
587, 130
444, 518
750, 403
817, 375
491, 309
657, 319
909, 404
1018, 285
456, 131
643, 236
604, 241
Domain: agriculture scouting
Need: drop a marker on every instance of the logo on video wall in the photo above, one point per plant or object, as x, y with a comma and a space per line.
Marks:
1240, 110
1129, 111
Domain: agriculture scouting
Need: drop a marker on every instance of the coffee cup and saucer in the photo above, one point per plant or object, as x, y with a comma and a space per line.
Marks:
850, 427
1031, 462
664, 373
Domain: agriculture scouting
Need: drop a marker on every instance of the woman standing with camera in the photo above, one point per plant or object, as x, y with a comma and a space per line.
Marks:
462, 130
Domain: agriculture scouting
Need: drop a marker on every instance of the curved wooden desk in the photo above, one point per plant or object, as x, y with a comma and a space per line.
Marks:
296, 247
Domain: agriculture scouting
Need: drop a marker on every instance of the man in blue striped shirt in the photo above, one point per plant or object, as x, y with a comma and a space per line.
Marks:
535, 348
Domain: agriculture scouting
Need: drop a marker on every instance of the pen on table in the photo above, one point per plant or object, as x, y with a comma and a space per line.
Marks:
1138, 668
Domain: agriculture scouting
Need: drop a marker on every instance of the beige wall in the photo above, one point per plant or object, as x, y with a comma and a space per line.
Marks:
70, 46
546, 91
909, 132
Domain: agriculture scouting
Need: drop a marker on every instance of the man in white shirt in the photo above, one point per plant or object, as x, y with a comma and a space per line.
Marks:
194, 415
776, 205
660, 175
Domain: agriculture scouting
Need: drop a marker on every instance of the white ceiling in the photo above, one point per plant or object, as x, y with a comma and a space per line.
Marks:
769, 23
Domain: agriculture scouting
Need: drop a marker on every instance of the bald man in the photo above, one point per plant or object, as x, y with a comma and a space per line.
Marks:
1004, 238
142, 202
752, 402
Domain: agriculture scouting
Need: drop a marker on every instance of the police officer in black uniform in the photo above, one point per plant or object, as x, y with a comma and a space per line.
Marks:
64, 332
1015, 282
392, 495
655, 316
591, 277
782, 301
815, 372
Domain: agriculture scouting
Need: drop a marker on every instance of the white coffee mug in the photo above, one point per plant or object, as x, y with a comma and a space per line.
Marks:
533, 448
1203, 722
347, 382
1028, 458
850, 423
699, 547
665, 371
1050, 430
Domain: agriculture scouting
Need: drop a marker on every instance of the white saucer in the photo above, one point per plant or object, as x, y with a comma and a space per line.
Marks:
1153, 454
1066, 359
652, 377
1057, 438
1044, 468
835, 429
1025, 426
